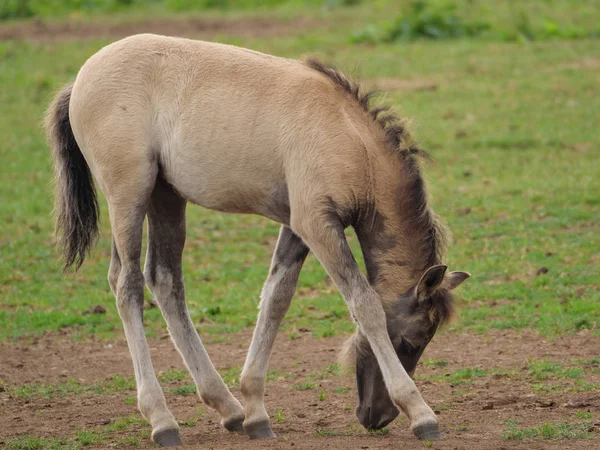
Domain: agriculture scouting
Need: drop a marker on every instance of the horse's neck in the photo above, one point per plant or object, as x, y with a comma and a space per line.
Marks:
387, 254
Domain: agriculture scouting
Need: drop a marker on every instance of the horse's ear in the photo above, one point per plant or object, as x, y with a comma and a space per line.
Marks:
454, 279
431, 280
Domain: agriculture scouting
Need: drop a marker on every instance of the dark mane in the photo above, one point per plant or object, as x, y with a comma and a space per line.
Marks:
433, 240
396, 134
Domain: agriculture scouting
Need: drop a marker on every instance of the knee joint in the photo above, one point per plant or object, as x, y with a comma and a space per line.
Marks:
130, 289
159, 280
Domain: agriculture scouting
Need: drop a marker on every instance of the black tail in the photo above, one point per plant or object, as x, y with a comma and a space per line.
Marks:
75, 205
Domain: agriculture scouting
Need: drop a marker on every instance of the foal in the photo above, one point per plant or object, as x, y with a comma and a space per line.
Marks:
161, 121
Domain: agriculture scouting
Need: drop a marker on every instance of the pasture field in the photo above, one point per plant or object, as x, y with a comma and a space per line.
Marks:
511, 116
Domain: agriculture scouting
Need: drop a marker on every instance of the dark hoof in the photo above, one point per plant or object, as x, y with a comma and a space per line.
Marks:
428, 431
167, 438
235, 424
260, 430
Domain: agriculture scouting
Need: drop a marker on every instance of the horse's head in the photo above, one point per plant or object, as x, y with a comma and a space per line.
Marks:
411, 321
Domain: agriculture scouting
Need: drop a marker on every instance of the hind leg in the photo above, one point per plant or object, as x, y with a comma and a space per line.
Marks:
164, 277
127, 207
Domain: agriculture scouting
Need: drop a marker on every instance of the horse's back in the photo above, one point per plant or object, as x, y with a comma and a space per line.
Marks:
225, 124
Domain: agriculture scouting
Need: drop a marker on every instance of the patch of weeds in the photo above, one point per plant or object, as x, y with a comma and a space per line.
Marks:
125, 423
543, 370
462, 427
129, 441
549, 388
183, 390
465, 376
276, 375
503, 372
334, 369
459, 377
428, 444
305, 385
172, 376
187, 423
547, 431
38, 443
583, 386
435, 363
231, 377
322, 395
342, 390
427, 19
595, 362
583, 415
86, 437
131, 400
280, 416
443, 406
113, 384
381, 432
325, 432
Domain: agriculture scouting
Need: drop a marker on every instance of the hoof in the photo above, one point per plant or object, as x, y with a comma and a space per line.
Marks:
167, 438
260, 430
428, 431
235, 424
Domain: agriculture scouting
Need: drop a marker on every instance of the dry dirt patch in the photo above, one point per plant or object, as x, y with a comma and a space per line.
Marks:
314, 406
40, 30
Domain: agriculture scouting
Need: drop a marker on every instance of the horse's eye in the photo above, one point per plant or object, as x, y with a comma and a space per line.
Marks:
408, 348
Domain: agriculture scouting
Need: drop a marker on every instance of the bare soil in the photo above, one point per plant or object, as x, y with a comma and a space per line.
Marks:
41, 30
473, 416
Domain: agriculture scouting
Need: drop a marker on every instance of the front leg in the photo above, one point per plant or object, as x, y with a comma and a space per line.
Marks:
328, 242
276, 296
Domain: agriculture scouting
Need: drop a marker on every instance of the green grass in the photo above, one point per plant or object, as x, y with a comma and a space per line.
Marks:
512, 125
305, 385
130, 432
464, 376
511, 21
114, 384
435, 362
543, 370
547, 431
174, 381
18, 9
280, 416
38, 443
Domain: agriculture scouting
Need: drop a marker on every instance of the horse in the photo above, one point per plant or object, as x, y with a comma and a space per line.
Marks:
160, 121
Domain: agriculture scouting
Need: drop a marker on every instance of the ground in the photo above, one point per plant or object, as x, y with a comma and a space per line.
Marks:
512, 125
489, 392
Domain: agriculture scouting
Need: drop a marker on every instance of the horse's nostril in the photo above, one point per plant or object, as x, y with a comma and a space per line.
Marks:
364, 416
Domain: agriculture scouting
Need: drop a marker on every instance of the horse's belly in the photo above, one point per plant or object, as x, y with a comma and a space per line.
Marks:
230, 182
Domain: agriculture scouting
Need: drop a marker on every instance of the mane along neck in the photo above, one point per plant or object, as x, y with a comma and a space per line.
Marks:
400, 235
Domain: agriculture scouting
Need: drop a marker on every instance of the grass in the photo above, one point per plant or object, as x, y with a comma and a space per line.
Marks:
130, 431
464, 376
38, 443
547, 431
280, 416
512, 21
505, 118
305, 385
543, 370
113, 384
435, 362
